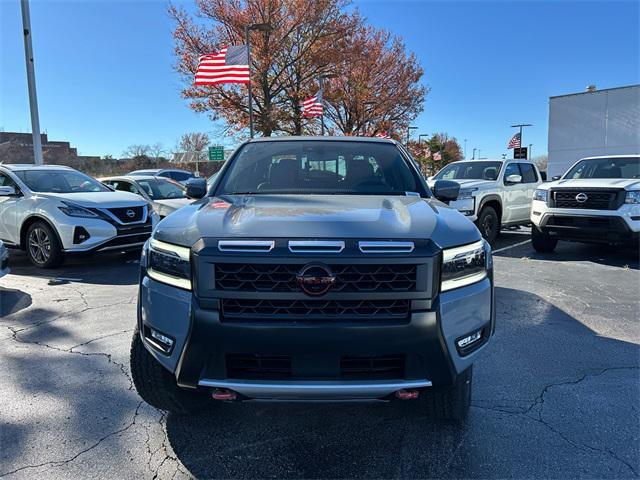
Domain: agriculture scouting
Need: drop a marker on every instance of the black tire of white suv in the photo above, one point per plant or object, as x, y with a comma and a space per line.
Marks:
42, 245
489, 223
158, 387
541, 241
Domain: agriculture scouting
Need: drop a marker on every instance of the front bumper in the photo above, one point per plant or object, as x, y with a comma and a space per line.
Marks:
621, 226
427, 343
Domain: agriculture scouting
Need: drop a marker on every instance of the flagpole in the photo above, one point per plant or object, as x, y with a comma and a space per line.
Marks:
322, 96
31, 83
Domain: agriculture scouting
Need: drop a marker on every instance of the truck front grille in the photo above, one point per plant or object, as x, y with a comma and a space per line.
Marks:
377, 367
595, 199
258, 367
282, 277
250, 309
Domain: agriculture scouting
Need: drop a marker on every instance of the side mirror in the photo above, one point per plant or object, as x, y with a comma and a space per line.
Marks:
543, 176
556, 177
446, 190
513, 179
196, 188
8, 191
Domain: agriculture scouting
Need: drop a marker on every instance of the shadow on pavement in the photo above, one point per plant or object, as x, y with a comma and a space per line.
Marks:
100, 269
541, 357
12, 301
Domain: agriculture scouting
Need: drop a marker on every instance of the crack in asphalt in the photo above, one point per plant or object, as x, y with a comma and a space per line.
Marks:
539, 400
71, 350
59, 463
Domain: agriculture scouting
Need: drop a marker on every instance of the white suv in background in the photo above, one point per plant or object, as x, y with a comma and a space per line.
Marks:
596, 201
52, 210
493, 193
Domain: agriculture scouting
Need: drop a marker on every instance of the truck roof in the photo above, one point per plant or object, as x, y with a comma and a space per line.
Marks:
320, 138
15, 167
629, 155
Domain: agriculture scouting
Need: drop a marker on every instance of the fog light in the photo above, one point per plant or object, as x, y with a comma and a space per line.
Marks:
159, 340
466, 341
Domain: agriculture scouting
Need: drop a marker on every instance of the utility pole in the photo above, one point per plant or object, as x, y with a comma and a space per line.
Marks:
530, 155
465, 148
474, 154
31, 83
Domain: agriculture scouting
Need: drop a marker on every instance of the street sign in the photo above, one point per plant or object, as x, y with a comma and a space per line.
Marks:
520, 153
216, 153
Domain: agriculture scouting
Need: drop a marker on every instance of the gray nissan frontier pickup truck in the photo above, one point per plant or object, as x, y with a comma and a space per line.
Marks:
314, 269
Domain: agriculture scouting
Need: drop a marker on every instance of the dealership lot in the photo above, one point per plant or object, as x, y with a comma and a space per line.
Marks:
556, 394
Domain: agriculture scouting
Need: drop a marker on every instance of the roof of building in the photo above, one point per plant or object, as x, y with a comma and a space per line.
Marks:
589, 92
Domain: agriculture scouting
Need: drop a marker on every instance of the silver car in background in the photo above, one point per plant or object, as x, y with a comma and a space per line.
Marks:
165, 196
4, 260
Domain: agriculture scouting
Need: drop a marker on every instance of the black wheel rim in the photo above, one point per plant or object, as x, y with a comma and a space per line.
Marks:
39, 245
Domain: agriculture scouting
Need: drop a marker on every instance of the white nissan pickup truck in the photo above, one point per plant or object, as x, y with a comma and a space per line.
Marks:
493, 193
596, 201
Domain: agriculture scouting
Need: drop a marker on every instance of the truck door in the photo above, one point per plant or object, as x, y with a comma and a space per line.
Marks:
516, 206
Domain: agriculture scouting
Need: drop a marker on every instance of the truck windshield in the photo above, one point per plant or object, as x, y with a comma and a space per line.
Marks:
473, 170
60, 181
606, 168
319, 167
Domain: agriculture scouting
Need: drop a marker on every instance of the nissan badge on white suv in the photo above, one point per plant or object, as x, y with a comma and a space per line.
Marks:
596, 201
52, 211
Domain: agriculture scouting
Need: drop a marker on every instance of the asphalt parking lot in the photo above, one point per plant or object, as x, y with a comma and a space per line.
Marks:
555, 396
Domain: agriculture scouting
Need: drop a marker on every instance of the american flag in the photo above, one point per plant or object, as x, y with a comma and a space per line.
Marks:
383, 134
515, 141
229, 65
312, 106
437, 157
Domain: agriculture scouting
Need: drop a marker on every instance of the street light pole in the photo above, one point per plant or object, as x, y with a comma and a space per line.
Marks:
264, 27
31, 83
520, 125
409, 128
530, 155
474, 154
465, 148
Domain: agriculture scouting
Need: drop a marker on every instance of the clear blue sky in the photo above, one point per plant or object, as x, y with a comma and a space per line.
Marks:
105, 78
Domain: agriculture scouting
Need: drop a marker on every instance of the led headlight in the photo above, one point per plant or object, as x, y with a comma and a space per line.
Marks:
541, 195
632, 196
74, 210
466, 193
169, 264
462, 266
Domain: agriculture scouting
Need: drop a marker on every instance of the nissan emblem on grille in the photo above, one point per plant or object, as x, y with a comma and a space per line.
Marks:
315, 279
131, 213
581, 197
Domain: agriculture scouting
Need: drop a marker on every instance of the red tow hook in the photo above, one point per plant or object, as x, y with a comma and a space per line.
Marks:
407, 394
223, 394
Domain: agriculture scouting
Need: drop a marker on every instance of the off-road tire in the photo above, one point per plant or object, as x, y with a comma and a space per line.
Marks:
449, 403
542, 242
489, 224
39, 229
158, 387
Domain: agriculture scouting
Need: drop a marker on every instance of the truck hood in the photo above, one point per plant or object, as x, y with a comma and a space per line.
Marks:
174, 203
626, 183
469, 183
98, 199
318, 216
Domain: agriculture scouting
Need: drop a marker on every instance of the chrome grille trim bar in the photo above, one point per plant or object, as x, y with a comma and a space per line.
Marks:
386, 247
315, 246
246, 245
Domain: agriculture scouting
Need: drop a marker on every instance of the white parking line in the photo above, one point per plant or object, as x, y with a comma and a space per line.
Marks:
511, 246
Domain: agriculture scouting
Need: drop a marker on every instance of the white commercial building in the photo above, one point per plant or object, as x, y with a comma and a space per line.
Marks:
592, 123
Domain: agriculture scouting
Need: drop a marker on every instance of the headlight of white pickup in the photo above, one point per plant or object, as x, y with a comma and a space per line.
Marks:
632, 196
466, 193
541, 195
462, 266
169, 264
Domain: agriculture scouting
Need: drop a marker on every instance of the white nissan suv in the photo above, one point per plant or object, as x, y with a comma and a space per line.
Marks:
596, 201
51, 211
